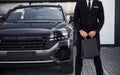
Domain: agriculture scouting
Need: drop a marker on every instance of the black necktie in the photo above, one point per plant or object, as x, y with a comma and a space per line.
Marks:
89, 4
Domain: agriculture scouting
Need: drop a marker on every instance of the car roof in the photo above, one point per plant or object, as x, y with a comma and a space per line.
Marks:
26, 6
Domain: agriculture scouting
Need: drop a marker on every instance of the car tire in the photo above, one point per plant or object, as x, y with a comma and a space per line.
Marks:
67, 67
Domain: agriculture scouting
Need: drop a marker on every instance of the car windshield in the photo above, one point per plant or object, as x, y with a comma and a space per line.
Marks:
36, 13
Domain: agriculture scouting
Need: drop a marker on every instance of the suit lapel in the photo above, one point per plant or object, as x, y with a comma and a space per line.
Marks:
95, 7
85, 5
93, 4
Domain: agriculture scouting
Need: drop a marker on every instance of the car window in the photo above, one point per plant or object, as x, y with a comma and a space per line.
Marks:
36, 13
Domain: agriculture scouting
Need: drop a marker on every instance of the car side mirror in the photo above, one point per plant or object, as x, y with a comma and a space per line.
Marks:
71, 19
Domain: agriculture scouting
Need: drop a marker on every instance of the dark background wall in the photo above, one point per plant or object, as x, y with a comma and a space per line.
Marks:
117, 23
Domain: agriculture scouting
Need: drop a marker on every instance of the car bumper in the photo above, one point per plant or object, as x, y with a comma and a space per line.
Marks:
49, 53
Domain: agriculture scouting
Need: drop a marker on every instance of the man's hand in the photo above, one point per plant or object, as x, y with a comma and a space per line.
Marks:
83, 33
92, 33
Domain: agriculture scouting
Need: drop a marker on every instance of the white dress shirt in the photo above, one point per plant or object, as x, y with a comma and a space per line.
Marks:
91, 2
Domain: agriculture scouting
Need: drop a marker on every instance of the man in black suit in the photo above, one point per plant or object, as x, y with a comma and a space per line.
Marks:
88, 21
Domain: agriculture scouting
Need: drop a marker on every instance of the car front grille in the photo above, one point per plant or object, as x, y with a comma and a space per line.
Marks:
25, 43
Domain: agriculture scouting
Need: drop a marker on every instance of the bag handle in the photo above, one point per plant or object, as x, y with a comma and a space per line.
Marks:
86, 38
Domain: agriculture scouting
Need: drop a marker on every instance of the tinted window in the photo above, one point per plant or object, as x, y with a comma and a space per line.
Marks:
36, 13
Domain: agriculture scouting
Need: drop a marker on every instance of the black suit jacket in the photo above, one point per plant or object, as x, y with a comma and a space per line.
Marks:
86, 19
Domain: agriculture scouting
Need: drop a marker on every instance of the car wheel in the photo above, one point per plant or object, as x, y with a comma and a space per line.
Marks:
67, 67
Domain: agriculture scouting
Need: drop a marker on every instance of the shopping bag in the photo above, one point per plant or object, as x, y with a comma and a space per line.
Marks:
89, 48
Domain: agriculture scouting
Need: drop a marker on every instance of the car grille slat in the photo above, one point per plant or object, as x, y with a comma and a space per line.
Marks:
24, 43
21, 43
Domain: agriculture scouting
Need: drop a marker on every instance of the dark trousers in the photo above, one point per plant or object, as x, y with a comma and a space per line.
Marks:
79, 60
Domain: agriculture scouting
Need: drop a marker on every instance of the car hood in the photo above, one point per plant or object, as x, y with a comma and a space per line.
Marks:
47, 25
28, 28
25, 31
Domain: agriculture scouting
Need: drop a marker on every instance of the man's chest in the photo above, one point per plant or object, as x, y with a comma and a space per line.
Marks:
85, 9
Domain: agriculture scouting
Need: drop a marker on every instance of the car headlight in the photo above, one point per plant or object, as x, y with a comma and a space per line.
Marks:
63, 31
59, 34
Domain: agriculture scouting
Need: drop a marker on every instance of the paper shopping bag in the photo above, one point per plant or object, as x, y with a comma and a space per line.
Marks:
89, 48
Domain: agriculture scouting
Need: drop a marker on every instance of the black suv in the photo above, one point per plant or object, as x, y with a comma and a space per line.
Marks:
36, 34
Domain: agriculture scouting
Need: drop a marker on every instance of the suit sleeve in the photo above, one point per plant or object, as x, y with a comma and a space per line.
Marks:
77, 17
100, 18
